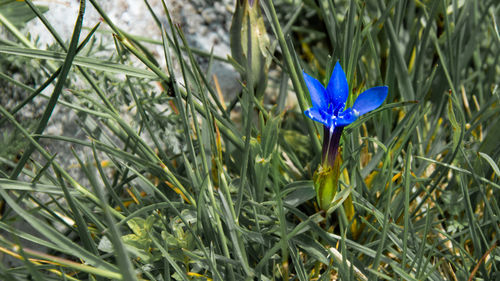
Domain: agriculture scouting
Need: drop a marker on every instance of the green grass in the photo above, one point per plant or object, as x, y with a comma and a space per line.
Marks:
174, 184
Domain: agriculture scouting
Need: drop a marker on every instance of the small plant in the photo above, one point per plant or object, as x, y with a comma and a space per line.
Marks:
170, 182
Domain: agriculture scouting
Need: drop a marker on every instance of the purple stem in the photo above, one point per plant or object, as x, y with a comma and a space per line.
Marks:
331, 143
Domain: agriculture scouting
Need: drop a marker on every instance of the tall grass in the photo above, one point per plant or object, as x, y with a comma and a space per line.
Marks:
173, 183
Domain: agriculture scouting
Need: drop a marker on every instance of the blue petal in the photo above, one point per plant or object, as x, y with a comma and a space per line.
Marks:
369, 100
346, 117
337, 88
316, 115
317, 92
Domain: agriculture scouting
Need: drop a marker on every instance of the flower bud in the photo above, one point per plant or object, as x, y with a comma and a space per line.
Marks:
248, 37
326, 179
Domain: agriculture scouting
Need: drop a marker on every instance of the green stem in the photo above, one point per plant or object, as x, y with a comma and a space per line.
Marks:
297, 85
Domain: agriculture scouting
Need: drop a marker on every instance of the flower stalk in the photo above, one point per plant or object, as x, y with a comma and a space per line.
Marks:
331, 144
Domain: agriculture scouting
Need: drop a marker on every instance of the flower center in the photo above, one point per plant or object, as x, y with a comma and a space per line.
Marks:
335, 113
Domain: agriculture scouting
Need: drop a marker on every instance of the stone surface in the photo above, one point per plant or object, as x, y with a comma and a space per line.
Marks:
205, 23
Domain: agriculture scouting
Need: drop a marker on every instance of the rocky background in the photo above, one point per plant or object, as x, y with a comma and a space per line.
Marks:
205, 23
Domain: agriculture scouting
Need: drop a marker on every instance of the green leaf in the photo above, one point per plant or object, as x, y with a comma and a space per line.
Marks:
96, 64
490, 161
18, 13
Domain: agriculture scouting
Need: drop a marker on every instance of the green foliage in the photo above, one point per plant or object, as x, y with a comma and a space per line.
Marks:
17, 12
169, 185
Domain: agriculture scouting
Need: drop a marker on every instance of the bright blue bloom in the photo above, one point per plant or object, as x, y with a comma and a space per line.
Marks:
328, 104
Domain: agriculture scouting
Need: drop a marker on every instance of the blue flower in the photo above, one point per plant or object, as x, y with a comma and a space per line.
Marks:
328, 104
